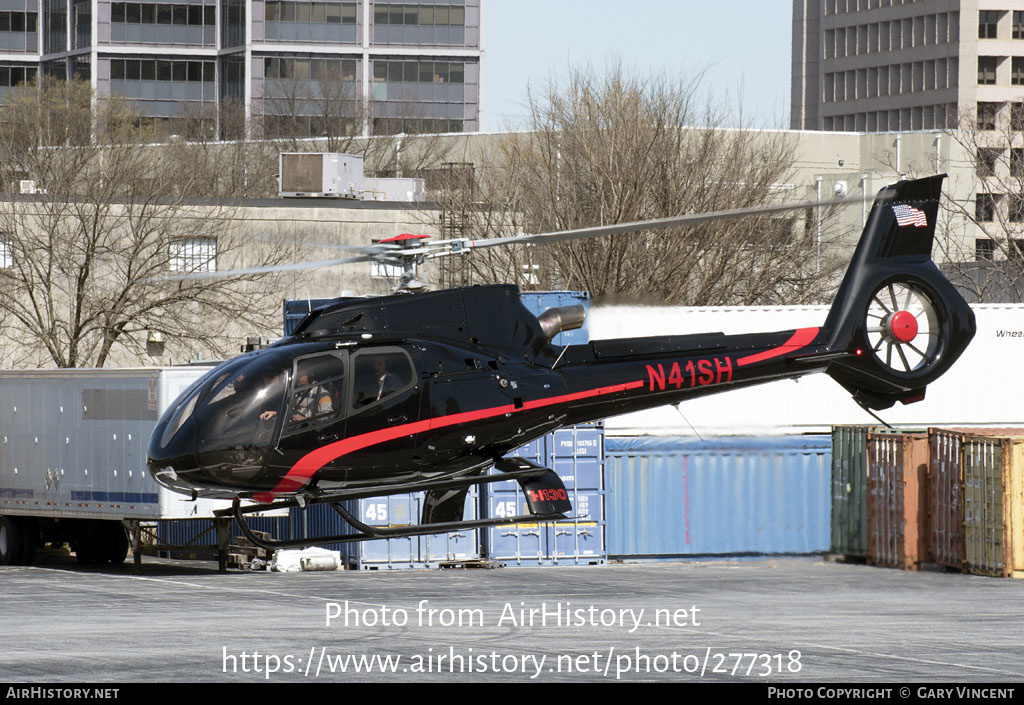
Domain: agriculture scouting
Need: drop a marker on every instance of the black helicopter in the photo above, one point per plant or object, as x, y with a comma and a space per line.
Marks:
428, 391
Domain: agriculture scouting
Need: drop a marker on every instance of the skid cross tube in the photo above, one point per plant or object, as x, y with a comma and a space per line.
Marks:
372, 533
332, 497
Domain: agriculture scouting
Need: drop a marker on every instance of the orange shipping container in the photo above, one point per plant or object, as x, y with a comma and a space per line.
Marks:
945, 503
897, 500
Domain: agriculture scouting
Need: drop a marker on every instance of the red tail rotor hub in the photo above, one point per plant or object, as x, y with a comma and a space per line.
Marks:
903, 326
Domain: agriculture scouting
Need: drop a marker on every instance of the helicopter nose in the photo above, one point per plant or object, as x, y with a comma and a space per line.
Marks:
216, 438
173, 463
199, 458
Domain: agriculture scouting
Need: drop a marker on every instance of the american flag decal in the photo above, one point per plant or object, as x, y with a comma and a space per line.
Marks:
907, 215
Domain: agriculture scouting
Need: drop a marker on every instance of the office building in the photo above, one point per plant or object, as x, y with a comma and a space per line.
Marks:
899, 65
954, 66
301, 68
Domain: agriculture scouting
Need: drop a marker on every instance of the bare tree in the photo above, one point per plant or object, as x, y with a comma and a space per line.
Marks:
110, 219
239, 166
616, 147
982, 241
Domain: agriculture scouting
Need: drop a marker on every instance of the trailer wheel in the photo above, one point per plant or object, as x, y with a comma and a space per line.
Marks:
116, 544
101, 542
29, 540
84, 550
88, 543
11, 545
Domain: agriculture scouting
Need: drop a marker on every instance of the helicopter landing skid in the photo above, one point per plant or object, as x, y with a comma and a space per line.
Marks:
545, 497
370, 533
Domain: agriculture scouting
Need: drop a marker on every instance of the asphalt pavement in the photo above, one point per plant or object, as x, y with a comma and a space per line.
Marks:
777, 620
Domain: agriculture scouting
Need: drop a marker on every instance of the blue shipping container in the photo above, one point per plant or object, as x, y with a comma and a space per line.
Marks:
576, 455
670, 497
390, 554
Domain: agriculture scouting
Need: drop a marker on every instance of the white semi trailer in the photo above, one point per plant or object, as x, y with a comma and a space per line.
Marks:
73, 460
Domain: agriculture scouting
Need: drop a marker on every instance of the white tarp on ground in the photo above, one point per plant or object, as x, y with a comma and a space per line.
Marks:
296, 560
984, 388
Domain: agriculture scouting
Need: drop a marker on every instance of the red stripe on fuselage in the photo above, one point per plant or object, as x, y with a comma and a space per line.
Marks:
300, 473
800, 338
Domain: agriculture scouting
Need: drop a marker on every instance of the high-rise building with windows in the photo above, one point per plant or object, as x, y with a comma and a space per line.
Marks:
294, 67
954, 67
898, 65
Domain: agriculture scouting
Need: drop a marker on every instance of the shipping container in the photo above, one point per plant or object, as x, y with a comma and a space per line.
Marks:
849, 491
676, 497
576, 454
945, 495
404, 553
993, 505
898, 500
945, 498
197, 539
850, 488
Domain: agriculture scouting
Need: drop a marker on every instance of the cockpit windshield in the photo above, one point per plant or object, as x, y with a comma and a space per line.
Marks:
241, 410
197, 391
230, 419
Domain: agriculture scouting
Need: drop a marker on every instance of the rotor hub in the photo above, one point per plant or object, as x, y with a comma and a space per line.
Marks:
902, 326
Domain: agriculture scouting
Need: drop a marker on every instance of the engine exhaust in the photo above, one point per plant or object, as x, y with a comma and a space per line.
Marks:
555, 320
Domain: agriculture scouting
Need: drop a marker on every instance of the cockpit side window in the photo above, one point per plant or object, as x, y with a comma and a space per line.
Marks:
318, 388
379, 374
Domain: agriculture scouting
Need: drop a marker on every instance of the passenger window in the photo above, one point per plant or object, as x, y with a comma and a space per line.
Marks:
379, 375
318, 386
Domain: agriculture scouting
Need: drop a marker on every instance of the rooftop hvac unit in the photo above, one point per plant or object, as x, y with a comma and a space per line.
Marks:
316, 175
405, 190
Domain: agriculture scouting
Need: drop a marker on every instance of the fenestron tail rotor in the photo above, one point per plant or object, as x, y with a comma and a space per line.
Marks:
903, 328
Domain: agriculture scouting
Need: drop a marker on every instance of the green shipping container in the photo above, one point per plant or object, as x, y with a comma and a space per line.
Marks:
993, 496
849, 491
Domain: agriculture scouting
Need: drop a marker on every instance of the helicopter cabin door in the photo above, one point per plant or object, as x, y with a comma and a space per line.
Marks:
383, 410
314, 413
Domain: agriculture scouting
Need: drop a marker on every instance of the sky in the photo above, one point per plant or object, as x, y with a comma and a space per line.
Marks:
743, 46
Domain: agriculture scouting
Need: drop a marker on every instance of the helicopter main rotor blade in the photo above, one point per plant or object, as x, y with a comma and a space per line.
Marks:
298, 266
404, 257
656, 224
371, 250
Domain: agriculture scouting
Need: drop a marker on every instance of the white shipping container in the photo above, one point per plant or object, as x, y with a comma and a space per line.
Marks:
983, 388
73, 444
